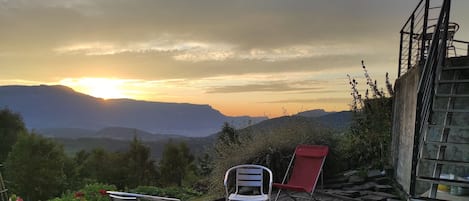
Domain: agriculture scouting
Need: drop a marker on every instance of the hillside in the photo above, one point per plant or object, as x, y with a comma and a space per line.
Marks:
336, 120
52, 107
71, 146
118, 138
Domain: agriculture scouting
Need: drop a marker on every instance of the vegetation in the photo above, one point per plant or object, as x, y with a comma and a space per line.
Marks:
177, 164
35, 167
38, 169
11, 126
368, 142
91, 192
272, 149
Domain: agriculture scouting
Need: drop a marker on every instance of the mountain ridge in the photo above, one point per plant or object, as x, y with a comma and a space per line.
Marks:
57, 106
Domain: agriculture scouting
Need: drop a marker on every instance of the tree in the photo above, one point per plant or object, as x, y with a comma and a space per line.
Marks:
102, 166
11, 125
176, 163
228, 135
141, 169
35, 167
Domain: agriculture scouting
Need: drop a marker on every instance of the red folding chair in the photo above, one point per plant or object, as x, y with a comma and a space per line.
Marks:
309, 160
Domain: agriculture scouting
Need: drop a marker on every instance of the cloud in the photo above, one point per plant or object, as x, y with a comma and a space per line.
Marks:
182, 39
197, 51
264, 87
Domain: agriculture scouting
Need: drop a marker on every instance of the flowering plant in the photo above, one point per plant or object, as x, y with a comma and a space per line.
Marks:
91, 192
15, 198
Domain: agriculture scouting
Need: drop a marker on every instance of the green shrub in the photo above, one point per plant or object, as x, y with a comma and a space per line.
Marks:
273, 148
367, 145
91, 192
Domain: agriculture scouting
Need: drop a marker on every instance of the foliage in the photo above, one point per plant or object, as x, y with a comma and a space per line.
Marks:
228, 135
368, 143
174, 192
123, 169
11, 125
272, 149
176, 164
35, 167
140, 168
91, 192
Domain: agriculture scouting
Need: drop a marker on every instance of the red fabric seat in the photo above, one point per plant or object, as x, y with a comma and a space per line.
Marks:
308, 162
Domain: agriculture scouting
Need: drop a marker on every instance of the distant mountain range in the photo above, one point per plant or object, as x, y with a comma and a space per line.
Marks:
59, 108
118, 138
116, 133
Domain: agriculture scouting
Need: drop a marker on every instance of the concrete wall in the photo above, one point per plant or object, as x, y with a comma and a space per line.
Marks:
404, 110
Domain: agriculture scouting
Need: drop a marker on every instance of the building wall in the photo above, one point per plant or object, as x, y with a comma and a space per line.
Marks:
404, 110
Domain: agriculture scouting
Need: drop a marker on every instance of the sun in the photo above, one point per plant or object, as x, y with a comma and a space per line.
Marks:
106, 88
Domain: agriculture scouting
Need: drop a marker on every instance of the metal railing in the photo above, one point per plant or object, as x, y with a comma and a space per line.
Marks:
458, 48
417, 34
433, 62
426, 41
415, 37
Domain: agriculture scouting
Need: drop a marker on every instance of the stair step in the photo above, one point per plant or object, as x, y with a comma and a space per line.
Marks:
419, 198
454, 81
452, 110
451, 127
453, 95
447, 162
447, 143
448, 182
456, 68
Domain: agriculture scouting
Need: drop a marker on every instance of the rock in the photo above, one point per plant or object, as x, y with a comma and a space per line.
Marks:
383, 188
350, 173
374, 173
372, 198
365, 186
387, 195
333, 186
382, 180
347, 193
339, 179
356, 179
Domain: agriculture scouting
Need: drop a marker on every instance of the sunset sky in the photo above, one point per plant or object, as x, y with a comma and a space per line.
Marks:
242, 57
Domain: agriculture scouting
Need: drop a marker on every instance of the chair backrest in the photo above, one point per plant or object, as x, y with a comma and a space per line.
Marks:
249, 175
309, 160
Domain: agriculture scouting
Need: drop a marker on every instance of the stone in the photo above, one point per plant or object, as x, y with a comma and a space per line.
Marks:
339, 179
382, 180
365, 186
387, 195
356, 179
383, 188
350, 173
374, 173
372, 198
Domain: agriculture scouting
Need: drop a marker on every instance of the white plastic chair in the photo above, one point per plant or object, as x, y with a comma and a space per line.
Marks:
251, 176
116, 195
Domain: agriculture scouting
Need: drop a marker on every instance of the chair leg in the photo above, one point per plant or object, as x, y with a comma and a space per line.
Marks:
278, 194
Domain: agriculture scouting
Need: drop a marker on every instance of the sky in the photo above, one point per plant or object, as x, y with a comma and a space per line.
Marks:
242, 57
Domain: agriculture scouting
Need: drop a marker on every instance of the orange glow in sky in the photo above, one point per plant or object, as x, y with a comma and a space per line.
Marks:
262, 57
105, 88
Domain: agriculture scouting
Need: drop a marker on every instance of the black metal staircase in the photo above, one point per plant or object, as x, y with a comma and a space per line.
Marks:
441, 138
447, 132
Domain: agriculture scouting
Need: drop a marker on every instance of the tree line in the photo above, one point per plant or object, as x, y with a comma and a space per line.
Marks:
37, 168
